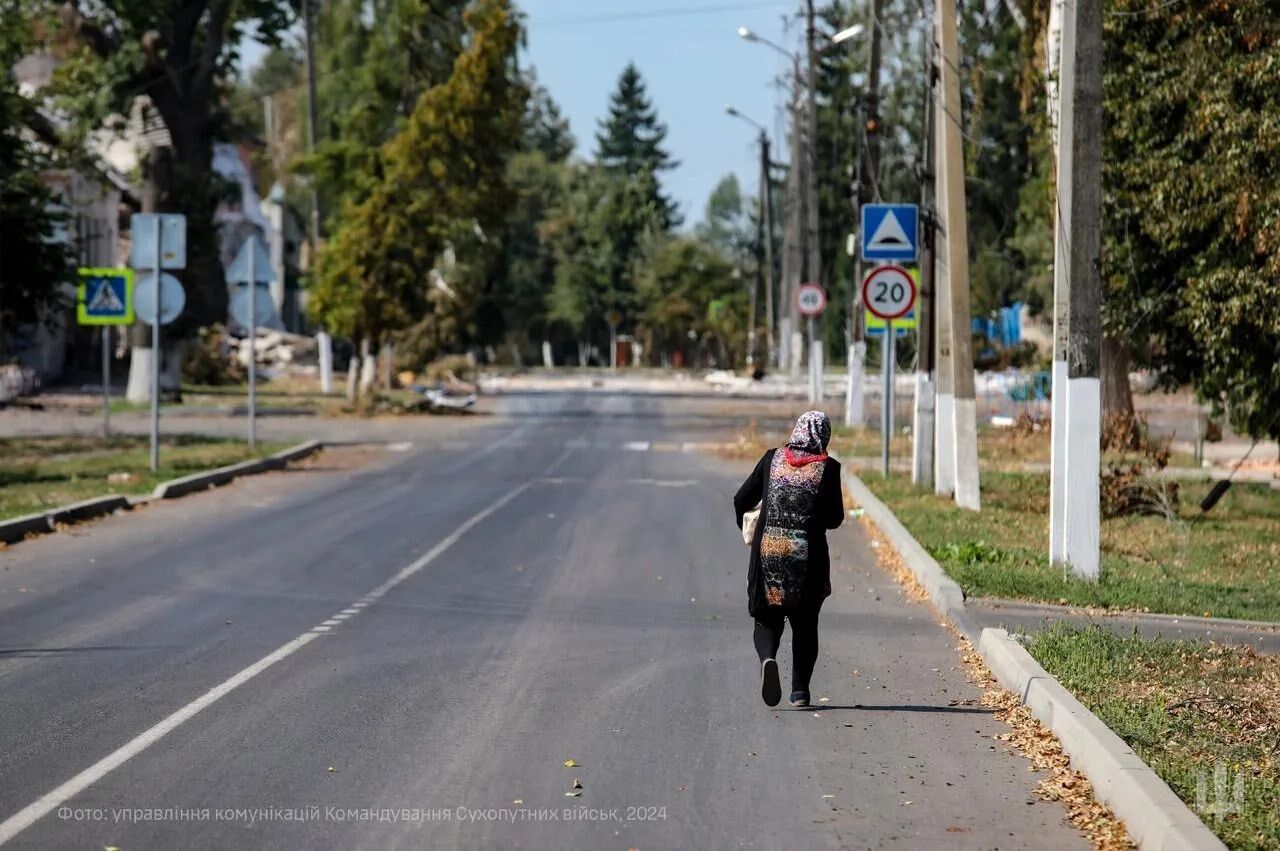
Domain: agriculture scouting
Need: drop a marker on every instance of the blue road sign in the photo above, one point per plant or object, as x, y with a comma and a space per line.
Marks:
890, 231
105, 297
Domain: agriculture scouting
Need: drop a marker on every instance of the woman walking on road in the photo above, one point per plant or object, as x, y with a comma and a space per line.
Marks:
797, 491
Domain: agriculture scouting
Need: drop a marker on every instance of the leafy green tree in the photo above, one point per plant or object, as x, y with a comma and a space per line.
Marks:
695, 302
546, 129
442, 190
1192, 207
35, 259
630, 143
181, 55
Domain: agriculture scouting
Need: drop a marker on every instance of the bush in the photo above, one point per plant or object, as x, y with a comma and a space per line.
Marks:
210, 361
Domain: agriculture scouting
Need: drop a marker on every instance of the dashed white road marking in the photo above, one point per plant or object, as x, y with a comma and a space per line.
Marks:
49, 801
636, 446
664, 483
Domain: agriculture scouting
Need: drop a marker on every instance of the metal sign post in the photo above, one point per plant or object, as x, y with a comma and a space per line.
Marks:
886, 416
105, 297
155, 359
253, 352
889, 292
159, 243
811, 300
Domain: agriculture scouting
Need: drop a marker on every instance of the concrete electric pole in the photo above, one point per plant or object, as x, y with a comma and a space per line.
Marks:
1083, 253
953, 271
922, 432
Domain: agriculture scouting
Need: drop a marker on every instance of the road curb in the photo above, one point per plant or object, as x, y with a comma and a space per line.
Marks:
12, 531
222, 475
1153, 815
1155, 818
17, 529
943, 591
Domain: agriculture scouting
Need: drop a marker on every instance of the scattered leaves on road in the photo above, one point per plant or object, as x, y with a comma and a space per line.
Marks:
1026, 735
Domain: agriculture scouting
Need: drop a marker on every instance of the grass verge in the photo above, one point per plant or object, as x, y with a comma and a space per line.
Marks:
1225, 564
41, 473
1206, 718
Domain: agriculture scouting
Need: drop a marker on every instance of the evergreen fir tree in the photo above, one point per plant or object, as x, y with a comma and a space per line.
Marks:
630, 141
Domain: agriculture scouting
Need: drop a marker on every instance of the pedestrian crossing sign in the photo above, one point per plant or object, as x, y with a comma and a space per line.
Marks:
890, 231
105, 297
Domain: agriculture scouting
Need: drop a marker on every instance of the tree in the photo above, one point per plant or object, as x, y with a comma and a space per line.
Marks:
441, 190
728, 223
546, 129
179, 54
694, 301
630, 143
35, 258
1192, 208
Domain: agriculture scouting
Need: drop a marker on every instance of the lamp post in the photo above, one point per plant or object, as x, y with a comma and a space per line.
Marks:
766, 228
804, 115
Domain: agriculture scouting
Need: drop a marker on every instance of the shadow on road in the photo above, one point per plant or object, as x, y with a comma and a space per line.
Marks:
958, 710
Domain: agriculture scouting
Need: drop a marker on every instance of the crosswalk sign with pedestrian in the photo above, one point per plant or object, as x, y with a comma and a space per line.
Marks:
890, 231
105, 297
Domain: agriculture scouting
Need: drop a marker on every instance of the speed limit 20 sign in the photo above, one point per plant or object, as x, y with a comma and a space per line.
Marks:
889, 292
811, 299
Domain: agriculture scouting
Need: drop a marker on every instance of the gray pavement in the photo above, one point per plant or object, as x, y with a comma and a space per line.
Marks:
1021, 616
559, 581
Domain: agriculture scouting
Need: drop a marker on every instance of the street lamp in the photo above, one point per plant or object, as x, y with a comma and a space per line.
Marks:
766, 230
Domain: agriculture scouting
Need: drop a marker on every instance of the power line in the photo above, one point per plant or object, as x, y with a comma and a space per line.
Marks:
672, 12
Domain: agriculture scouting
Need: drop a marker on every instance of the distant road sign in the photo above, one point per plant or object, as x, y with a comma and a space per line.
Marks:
105, 297
890, 231
264, 307
172, 298
811, 299
172, 229
889, 292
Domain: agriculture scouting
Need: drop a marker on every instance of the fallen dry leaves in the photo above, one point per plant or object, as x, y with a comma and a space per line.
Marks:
1026, 735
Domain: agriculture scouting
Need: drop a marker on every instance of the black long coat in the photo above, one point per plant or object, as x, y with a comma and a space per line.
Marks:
828, 514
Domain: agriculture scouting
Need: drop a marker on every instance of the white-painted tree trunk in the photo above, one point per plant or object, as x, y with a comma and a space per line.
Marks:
353, 378
547, 360
139, 388
324, 345
854, 403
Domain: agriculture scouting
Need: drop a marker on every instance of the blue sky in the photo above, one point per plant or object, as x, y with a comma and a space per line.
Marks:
693, 62
694, 65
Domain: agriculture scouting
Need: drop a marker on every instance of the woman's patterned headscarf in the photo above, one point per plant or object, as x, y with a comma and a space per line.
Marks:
811, 434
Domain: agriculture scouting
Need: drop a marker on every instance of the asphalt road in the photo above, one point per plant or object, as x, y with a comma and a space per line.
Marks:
303, 660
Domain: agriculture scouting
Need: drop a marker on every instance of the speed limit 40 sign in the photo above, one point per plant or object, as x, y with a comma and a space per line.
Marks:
811, 299
889, 292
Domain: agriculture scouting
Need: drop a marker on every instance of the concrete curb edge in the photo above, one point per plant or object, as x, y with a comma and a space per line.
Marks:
1155, 817
15, 530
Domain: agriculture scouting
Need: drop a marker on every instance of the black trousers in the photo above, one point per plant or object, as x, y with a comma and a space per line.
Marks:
804, 641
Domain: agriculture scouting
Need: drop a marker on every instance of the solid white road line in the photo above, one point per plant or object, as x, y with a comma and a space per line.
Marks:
46, 803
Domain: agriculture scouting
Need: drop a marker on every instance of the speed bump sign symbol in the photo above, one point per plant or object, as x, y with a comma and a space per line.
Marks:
889, 292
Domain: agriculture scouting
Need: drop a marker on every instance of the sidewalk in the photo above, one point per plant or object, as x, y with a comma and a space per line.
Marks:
1011, 614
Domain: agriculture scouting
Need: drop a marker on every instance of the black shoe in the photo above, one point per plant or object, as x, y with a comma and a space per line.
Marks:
800, 699
770, 685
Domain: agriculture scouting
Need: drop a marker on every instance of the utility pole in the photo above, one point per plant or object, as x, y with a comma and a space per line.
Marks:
866, 139
1084, 302
814, 242
766, 220
312, 121
955, 263
923, 427
1059, 51
792, 242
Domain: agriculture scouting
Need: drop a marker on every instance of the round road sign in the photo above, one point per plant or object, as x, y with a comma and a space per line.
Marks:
172, 298
889, 292
811, 299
